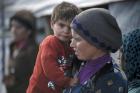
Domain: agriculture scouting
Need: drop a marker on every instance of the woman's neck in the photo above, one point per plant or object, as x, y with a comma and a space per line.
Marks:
99, 54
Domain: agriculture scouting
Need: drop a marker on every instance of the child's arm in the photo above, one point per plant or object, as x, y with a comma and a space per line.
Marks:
49, 55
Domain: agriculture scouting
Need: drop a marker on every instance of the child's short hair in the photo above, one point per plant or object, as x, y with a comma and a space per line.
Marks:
64, 11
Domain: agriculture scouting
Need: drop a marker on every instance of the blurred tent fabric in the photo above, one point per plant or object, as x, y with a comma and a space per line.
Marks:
44, 7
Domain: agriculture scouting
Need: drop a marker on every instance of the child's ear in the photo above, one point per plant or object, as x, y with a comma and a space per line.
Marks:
52, 23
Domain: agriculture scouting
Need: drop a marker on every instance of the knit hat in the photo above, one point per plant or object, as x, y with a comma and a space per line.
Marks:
26, 18
98, 27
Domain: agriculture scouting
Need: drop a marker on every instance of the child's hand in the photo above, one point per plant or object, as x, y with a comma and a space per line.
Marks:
64, 67
74, 81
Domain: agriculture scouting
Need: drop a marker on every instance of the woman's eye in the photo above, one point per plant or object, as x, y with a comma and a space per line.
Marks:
77, 39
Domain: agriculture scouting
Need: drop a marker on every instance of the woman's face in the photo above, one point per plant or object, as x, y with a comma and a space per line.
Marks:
19, 32
84, 50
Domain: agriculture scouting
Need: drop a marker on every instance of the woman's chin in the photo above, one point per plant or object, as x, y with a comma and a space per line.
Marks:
80, 58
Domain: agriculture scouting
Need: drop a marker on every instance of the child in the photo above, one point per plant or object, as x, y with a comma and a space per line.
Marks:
54, 56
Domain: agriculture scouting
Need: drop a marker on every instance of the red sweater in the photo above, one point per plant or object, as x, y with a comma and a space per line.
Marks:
47, 68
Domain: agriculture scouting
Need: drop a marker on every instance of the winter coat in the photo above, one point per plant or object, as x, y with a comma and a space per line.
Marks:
21, 63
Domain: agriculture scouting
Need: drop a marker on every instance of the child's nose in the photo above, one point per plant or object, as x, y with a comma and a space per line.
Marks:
67, 29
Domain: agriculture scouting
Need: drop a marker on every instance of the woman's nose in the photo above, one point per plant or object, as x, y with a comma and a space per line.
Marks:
72, 44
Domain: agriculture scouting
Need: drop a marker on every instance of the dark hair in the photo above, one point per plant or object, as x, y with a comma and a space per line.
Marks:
27, 19
65, 11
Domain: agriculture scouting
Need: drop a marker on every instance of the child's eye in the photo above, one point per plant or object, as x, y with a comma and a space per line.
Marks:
61, 25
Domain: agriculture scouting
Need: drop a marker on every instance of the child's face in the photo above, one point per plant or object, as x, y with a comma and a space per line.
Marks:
62, 30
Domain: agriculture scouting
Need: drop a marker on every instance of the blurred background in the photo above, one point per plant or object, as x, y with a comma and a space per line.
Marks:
42, 9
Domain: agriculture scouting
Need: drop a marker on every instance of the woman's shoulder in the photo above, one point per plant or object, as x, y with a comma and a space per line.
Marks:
113, 80
113, 72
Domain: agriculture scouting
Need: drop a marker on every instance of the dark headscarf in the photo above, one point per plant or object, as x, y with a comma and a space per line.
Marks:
131, 53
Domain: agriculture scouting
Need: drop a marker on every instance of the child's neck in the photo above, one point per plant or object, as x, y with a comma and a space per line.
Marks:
65, 43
